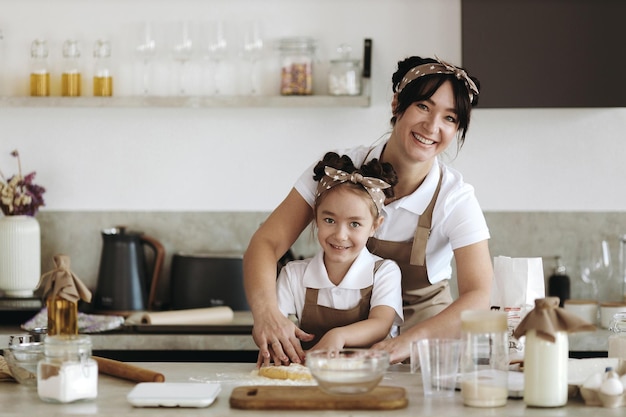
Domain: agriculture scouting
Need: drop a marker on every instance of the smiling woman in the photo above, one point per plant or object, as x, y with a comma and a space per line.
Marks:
435, 216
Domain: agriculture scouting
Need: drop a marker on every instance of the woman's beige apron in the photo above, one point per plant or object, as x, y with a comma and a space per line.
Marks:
317, 319
420, 298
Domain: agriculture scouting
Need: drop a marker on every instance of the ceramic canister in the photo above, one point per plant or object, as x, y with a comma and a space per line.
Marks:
20, 255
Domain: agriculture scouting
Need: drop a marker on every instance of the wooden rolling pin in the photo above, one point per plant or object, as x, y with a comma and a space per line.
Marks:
127, 371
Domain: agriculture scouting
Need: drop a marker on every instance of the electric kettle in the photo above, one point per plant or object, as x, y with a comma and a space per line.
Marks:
124, 284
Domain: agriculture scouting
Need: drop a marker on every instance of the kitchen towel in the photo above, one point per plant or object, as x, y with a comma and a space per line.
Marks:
193, 316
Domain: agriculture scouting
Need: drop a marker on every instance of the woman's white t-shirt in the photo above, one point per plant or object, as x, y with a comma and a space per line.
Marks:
457, 220
296, 276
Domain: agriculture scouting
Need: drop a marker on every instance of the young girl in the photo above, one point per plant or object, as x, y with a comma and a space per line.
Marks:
344, 295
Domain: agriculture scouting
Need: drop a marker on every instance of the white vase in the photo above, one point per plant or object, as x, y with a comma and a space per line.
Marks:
20, 255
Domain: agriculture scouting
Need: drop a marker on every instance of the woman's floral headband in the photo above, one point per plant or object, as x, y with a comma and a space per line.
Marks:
373, 186
441, 67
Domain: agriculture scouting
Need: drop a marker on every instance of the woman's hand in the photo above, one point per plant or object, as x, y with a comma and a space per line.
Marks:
398, 348
278, 339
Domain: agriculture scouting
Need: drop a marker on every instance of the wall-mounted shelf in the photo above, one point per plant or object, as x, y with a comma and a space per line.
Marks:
189, 101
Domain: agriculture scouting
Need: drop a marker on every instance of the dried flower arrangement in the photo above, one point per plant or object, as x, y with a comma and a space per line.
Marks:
18, 194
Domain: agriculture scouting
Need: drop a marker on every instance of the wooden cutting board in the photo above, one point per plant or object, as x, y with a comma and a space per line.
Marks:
275, 397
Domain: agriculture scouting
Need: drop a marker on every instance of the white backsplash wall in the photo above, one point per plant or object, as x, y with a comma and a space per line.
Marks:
246, 159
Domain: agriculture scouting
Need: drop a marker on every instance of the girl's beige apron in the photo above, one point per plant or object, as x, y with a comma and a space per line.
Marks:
317, 319
420, 298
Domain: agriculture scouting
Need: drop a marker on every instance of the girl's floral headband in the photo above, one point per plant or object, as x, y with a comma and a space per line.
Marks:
373, 186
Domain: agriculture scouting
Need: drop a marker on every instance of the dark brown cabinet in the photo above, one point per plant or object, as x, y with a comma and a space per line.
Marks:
546, 53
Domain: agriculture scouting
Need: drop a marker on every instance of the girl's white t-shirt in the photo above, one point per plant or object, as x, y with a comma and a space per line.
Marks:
296, 276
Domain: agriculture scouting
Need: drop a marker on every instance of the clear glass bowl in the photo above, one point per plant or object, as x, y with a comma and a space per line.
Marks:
347, 371
22, 356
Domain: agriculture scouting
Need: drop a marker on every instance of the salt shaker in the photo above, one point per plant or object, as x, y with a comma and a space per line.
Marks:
547, 351
68, 373
485, 358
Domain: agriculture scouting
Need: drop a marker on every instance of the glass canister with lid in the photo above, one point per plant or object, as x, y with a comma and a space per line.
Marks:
297, 55
344, 76
485, 358
68, 373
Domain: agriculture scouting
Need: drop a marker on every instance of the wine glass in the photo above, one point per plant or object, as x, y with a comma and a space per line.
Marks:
146, 51
252, 51
215, 48
182, 49
596, 268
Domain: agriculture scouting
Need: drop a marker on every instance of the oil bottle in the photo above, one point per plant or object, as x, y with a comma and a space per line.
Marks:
559, 282
71, 77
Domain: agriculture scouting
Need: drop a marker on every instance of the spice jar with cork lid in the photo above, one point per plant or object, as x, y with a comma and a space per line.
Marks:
297, 55
485, 358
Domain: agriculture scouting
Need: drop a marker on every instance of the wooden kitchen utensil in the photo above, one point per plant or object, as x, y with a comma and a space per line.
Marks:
276, 397
127, 371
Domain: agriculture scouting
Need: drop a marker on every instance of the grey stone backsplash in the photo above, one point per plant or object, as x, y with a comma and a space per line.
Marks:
515, 234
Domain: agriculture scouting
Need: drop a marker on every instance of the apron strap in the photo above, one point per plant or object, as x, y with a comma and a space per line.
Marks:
424, 225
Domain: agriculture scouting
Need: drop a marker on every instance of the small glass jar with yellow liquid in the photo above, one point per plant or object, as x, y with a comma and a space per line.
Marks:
102, 76
39, 71
71, 77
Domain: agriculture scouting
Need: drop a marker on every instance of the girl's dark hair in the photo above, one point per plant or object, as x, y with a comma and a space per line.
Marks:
373, 168
424, 87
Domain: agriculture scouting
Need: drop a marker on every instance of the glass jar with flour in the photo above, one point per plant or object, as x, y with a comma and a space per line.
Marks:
68, 373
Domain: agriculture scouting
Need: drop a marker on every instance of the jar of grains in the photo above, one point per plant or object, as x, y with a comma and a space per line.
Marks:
297, 56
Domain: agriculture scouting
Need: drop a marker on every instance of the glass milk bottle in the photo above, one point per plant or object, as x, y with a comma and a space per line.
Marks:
485, 358
71, 77
102, 76
39, 71
546, 354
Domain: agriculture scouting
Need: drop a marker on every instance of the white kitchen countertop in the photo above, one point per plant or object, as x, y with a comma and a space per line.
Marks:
19, 400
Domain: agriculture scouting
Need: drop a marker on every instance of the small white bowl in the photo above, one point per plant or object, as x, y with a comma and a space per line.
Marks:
347, 371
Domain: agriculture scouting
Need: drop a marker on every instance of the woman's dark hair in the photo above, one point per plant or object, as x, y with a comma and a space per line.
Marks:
424, 87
